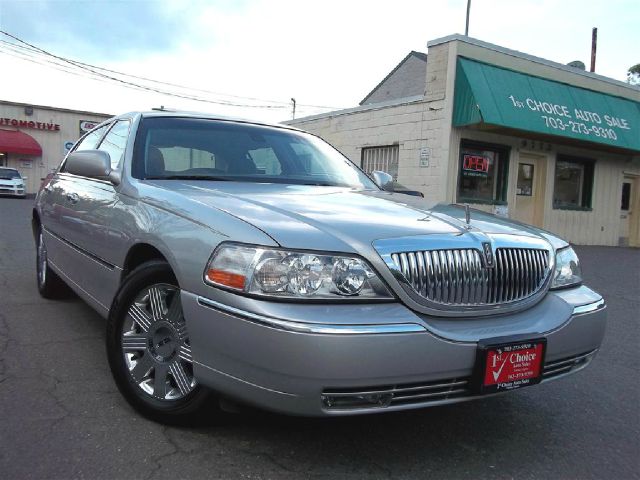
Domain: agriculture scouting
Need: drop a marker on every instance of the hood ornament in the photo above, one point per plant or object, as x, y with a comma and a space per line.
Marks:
467, 215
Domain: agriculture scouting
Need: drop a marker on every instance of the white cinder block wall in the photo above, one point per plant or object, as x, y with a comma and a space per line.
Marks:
411, 123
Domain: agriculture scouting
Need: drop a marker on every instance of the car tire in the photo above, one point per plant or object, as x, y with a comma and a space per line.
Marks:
50, 285
149, 350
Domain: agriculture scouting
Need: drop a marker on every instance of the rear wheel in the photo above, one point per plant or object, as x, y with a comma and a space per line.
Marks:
50, 285
149, 348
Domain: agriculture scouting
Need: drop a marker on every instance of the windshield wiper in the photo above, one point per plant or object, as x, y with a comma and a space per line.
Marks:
189, 177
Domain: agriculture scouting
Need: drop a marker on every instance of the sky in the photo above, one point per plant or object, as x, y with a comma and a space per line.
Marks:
258, 54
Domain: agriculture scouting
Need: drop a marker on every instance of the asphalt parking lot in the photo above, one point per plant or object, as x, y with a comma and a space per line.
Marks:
62, 416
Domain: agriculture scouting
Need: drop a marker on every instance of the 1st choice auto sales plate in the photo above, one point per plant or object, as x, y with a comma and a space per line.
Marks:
508, 363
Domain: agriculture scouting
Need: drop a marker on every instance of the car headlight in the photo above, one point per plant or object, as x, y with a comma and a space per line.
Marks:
567, 272
293, 274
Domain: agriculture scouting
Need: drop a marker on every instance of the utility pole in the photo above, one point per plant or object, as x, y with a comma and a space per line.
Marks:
594, 43
293, 112
466, 28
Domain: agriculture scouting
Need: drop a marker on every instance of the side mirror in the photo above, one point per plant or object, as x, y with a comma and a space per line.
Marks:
92, 164
383, 180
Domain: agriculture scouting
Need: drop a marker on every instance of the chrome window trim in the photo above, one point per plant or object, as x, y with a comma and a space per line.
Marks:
318, 328
589, 307
466, 240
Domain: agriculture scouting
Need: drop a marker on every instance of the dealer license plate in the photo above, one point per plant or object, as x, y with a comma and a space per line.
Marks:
507, 364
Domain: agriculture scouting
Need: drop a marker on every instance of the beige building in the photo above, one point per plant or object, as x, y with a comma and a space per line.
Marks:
34, 139
537, 141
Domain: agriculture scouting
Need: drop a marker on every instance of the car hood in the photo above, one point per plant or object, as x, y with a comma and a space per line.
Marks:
11, 181
339, 219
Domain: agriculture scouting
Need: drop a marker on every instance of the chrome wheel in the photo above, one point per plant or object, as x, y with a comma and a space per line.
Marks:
155, 344
41, 261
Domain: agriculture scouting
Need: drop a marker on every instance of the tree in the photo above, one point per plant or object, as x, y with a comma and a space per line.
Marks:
633, 75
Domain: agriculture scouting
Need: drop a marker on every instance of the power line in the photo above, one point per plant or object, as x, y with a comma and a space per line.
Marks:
98, 71
55, 66
22, 55
77, 63
49, 63
40, 60
139, 86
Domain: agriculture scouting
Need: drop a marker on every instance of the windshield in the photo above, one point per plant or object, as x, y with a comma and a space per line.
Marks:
8, 174
197, 149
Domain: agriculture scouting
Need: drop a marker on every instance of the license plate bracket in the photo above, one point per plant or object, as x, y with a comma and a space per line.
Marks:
508, 363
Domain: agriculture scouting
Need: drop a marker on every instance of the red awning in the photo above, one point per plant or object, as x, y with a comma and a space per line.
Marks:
12, 141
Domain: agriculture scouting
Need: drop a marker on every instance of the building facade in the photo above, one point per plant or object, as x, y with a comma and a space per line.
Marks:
34, 139
520, 136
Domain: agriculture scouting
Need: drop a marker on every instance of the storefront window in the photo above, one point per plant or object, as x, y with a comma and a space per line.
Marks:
573, 183
483, 173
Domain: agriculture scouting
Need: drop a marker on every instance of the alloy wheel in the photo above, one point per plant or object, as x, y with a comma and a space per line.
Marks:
155, 344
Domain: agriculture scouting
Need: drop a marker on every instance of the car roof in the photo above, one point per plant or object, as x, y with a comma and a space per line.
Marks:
201, 115
9, 168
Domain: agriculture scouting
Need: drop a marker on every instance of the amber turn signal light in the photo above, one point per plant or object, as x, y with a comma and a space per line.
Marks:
226, 279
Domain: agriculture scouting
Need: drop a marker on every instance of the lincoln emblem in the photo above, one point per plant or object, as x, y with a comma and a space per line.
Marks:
488, 254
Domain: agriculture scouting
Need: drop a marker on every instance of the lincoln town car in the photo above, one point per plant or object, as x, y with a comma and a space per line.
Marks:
255, 263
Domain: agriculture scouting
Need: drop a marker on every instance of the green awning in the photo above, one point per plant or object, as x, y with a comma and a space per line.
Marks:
497, 96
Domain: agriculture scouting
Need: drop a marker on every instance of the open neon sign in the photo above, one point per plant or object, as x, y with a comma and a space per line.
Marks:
475, 163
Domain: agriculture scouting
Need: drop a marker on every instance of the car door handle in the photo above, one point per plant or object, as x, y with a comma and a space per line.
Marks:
72, 198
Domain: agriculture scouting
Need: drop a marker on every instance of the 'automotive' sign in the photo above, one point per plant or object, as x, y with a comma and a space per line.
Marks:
14, 122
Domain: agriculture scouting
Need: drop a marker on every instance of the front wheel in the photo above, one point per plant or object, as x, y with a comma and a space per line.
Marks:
149, 349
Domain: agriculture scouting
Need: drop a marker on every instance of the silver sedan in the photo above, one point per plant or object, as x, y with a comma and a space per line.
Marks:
258, 263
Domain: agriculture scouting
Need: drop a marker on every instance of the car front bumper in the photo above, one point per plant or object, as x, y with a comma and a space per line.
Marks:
353, 359
11, 190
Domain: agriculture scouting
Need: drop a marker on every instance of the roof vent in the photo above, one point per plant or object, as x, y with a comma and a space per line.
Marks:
577, 64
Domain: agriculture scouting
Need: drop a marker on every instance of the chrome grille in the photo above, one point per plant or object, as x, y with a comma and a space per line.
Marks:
459, 277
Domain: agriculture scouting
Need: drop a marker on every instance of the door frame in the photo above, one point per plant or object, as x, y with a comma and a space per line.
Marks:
634, 204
